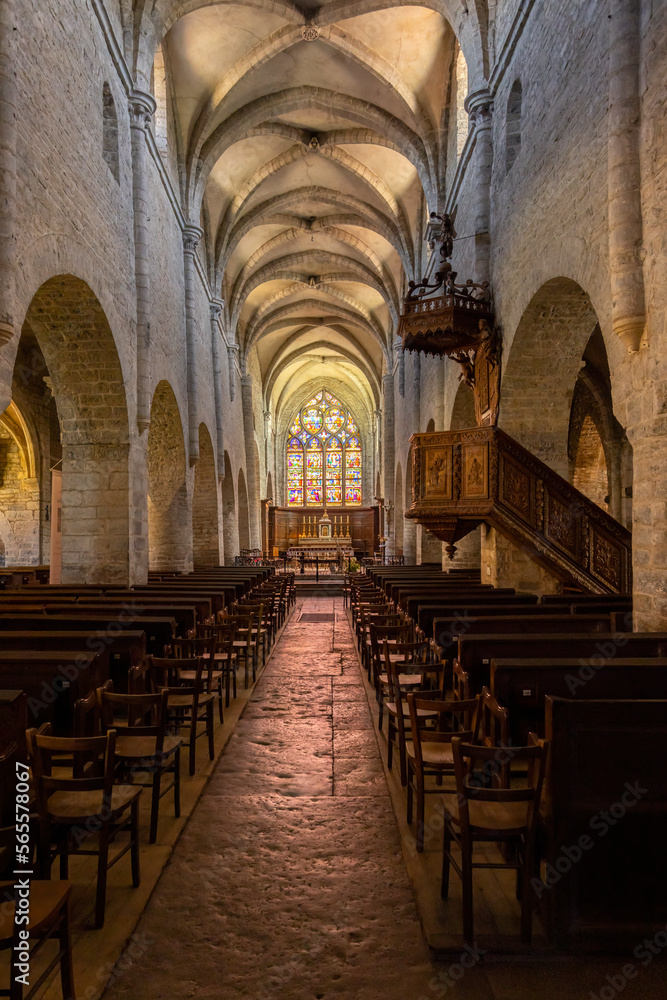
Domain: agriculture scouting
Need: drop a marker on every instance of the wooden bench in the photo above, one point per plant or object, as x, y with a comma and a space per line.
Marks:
607, 783
475, 652
159, 631
124, 650
13, 720
521, 686
53, 680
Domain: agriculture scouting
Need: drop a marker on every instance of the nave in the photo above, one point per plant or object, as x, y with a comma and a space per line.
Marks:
289, 880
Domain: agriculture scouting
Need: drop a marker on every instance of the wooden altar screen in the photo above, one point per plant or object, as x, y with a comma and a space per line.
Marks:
285, 526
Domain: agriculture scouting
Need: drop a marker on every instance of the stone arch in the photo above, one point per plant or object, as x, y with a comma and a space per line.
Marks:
541, 369
590, 474
78, 352
398, 511
205, 534
169, 519
244, 525
463, 411
19, 491
230, 527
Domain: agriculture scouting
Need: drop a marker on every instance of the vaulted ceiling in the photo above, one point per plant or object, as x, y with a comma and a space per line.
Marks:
311, 148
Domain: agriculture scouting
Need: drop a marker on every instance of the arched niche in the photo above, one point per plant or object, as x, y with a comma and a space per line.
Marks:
244, 526
205, 534
67, 345
230, 526
169, 520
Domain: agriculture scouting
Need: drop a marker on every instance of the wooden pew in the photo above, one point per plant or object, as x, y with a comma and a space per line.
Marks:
184, 617
440, 628
521, 686
159, 631
13, 720
607, 782
475, 652
124, 650
53, 680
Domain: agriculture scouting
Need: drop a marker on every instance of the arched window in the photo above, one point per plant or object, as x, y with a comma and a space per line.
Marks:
513, 125
110, 131
461, 94
324, 462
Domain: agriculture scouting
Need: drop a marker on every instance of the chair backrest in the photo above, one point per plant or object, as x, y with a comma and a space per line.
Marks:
475, 767
166, 673
492, 730
90, 757
454, 719
461, 682
191, 648
146, 714
139, 677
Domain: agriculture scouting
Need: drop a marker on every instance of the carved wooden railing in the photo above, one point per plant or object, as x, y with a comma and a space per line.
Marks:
463, 478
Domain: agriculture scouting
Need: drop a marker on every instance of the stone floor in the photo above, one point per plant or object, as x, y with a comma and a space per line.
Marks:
289, 880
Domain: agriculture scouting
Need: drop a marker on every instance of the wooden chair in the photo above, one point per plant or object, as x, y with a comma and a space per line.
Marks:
492, 730
482, 813
206, 647
190, 702
224, 655
461, 682
245, 642
49, 900
398, 722
410, 658
142, 744
430, 753
73, 808
368, 651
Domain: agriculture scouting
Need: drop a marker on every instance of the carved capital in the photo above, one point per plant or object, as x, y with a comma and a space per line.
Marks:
216, 308
142, 107
191, 237
479, 106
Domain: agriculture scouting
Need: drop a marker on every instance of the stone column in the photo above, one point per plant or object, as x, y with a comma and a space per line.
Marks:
628, 308
216, 308
191, 237
142, 108
232, 358
400, 359
480, 107
7, 172
388, 461
251, 474
410, 526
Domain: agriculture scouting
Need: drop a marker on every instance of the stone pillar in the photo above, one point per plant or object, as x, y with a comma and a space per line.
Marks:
232, 358
216, 308
628, 308
400, 359
7, 172
388, 461
191, 237
410, 526
480, 107
142, 108
251, 473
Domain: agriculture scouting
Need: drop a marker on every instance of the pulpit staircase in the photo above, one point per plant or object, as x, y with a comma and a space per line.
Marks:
463, 478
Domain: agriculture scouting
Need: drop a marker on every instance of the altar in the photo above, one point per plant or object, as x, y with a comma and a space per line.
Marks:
323, 540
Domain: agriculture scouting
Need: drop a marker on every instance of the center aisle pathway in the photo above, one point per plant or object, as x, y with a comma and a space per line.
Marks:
289, 881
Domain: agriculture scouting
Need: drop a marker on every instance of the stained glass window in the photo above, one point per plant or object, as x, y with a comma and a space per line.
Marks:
353, 471
294, 473
324, 463
314, 470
